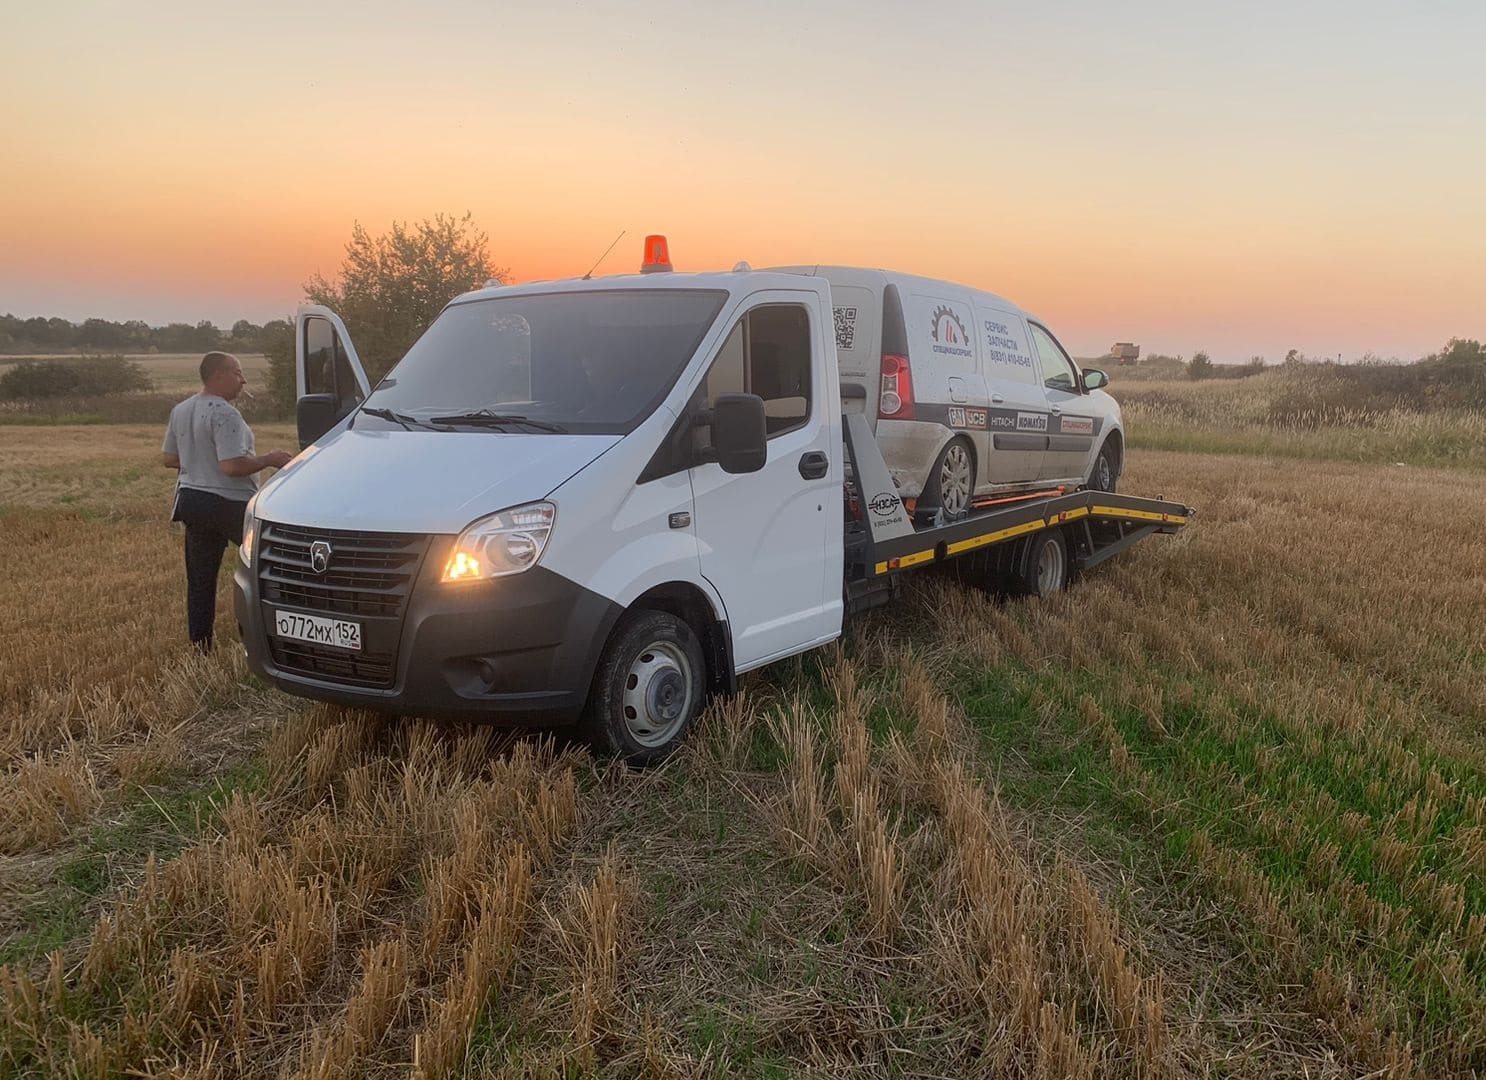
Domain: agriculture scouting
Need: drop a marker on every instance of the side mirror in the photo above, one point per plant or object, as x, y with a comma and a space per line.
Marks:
1094, 379
316, 414
739, 433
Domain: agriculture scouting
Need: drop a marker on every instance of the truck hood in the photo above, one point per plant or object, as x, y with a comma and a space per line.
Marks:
421, 481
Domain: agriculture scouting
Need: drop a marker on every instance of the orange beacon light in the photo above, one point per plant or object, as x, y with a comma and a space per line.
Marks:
657, 257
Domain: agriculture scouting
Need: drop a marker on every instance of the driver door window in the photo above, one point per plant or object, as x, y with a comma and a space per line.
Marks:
1057, 370
768, 354
327, 368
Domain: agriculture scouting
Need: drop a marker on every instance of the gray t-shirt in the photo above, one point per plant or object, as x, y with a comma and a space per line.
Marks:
203, 430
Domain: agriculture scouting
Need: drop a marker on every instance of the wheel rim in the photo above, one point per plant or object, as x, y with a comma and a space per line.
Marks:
954, 479
1050, 568
1106, 472
658, 690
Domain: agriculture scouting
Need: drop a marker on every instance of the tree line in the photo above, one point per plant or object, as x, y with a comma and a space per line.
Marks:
39, 334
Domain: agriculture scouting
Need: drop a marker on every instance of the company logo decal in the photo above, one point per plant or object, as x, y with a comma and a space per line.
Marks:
883, 504
320, 556
1078, 425
967, 418
1031, 421
949, 332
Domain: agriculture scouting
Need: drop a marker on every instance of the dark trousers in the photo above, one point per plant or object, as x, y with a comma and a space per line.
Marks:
212, 522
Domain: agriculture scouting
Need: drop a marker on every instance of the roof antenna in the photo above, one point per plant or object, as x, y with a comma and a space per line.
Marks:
589, 276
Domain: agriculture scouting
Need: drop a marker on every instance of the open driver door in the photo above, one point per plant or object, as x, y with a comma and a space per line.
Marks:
329, 381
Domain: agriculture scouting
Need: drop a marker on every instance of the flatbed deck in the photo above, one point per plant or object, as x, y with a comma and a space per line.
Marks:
882, 540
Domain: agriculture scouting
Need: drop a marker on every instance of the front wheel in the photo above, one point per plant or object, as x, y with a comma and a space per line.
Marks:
1104, 476
648, 689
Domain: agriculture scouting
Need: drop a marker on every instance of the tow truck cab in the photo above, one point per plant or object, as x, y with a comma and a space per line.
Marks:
587, 499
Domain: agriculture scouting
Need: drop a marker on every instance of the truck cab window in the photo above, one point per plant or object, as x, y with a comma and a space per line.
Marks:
1057, 370
327, 368
768, 354
319, 356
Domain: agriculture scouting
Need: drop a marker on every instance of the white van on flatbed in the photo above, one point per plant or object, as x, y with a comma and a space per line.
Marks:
968, 395
600, 501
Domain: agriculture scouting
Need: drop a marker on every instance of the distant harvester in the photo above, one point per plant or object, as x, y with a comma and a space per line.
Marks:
1124, 352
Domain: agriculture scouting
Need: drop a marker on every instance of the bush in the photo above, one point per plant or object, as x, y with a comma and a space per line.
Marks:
1201, 366
87, 376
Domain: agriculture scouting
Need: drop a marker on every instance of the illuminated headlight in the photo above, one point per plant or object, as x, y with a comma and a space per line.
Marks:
501, 544
250, 534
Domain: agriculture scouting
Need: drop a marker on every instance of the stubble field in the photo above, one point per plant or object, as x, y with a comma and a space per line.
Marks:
1218, 810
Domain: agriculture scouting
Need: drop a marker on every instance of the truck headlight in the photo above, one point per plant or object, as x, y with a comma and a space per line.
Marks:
501, 544
250, 534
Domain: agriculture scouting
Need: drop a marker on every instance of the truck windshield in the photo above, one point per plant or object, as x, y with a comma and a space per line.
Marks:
575, 363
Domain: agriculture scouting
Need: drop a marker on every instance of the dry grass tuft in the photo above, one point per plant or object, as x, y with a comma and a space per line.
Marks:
593, 928
800, 816
489, 951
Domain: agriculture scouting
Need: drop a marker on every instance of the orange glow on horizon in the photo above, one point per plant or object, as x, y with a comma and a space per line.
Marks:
1191, 200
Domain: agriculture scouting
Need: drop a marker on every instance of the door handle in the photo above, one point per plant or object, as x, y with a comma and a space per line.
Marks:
997, 398
813, 464
1057, 411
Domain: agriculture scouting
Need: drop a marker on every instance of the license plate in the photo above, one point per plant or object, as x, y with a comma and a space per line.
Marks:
337, 633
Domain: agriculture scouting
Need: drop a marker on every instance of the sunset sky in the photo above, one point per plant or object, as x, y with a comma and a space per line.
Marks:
1244, 179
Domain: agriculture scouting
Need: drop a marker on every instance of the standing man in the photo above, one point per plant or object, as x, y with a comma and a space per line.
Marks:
211, 445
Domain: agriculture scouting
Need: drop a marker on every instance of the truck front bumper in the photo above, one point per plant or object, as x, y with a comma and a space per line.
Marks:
520, 649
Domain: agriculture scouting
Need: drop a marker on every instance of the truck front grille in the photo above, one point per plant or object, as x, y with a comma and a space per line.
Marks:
368, 578
372, 670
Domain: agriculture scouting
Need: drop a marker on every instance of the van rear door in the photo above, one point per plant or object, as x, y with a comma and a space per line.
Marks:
857, 322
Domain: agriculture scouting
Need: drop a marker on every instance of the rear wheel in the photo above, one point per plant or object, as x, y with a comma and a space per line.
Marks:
648, 689
1105, 473
951, 486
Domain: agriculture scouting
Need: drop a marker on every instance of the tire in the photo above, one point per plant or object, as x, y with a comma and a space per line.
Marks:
1043, 567
951, 485
649, 687
1105, 475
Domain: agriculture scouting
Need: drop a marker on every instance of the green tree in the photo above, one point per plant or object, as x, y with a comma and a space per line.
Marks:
1462, 353
277, 343
1201, 366
245, 335
101, 334
390, 287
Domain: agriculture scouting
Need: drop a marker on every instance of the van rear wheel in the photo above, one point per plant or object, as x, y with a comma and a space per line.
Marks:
951, 486
648, 689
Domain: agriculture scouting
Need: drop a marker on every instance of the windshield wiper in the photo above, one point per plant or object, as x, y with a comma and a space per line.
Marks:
404, 419
486, 418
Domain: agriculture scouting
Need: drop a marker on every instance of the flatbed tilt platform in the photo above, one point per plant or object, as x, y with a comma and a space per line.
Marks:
1033, 543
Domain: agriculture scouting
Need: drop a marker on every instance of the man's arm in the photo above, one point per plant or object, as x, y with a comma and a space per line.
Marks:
248, 464
171, 461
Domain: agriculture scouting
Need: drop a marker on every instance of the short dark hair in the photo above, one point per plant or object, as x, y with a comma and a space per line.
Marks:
212, 363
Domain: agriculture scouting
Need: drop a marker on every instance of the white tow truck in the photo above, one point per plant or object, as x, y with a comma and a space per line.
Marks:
600, 501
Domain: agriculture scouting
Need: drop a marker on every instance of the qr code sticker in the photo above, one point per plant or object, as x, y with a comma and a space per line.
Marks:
846, 326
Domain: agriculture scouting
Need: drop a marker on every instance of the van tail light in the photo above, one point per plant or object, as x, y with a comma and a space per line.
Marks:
896, 402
